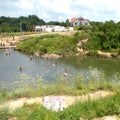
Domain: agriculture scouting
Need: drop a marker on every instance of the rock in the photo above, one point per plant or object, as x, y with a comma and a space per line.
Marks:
104, 54
54, 56
12, 118
114, 117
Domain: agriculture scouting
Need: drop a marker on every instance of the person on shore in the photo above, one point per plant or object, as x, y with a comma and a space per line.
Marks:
3, 44
13, 38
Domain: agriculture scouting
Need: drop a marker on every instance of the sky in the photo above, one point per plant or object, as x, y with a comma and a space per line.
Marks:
60, 10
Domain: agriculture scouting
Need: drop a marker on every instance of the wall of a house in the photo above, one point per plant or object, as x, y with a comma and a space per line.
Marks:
80, 22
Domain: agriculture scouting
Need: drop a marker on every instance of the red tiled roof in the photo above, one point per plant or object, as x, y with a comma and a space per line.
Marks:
80, 19
73, 19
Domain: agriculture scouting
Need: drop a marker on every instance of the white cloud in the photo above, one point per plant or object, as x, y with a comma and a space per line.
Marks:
24, 4
59, 6
44, 15
101, 10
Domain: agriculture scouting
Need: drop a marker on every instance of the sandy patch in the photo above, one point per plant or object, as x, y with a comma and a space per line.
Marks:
69, 100
10, 41
114, 117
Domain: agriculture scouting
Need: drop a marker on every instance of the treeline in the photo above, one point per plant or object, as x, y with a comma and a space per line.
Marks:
12, 24
104, 36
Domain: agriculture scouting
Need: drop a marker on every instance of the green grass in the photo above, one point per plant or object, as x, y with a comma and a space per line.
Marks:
88, 110
51, 43
76, 86
4, 114
22, 114
73, 86
91, 109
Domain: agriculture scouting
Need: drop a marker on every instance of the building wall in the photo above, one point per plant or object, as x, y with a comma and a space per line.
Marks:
50, 28
80, 22
38, 29
85, 22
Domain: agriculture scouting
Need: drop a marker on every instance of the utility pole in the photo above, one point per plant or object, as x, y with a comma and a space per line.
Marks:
20, 26
20, 29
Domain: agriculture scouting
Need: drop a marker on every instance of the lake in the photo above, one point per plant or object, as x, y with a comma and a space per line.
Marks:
38, 70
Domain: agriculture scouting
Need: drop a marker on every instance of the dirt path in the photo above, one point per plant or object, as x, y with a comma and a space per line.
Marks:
11, 42
69, 100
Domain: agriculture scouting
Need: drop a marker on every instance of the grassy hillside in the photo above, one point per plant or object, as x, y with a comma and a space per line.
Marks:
58, 44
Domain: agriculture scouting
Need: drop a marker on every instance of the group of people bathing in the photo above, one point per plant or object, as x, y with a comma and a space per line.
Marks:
54, 65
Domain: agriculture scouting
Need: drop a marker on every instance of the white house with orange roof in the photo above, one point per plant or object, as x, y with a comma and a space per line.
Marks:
79, 21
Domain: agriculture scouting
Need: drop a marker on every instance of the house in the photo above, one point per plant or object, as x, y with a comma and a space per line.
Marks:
50, 28
71, 28
38, 28
58, 28
79, 21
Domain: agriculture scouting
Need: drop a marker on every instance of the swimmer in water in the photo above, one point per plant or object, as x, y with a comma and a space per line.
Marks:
65, 73
20, 68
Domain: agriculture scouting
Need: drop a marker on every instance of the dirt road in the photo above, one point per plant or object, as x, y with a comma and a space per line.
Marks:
69, 100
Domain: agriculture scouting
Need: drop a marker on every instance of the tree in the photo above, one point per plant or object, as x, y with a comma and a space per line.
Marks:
67, 23
8, 24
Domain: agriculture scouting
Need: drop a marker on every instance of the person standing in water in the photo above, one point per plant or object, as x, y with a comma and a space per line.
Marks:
65, 73
31, 57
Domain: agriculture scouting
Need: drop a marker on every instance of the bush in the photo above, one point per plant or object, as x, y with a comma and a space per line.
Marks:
87, 110
4, 114
43, 114
60, 44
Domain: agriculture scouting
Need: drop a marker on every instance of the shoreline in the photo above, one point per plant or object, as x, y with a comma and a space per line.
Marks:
10, 42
